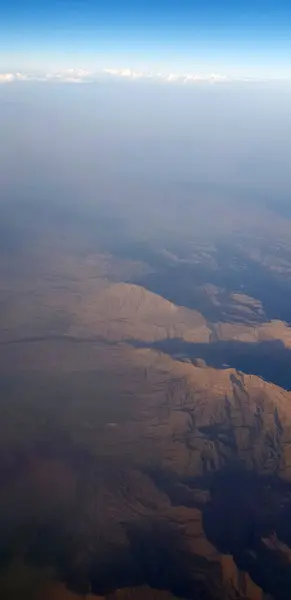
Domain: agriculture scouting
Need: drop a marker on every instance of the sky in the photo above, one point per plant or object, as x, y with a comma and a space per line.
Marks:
234, 38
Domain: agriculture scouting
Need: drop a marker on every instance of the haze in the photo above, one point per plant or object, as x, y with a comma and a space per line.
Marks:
63, 140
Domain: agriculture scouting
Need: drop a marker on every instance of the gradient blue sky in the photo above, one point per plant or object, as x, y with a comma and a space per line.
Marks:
232, 37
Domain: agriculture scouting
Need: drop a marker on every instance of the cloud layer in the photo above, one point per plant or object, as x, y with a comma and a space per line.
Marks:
84, 76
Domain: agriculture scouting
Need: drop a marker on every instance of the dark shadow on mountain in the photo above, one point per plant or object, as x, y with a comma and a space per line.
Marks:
240, 510
184, 283
245, 509
269, 360
165, 562
156, 556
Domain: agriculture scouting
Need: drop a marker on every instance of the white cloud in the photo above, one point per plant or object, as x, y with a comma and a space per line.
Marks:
166, 77
7, 77
170, 77
127, 73
68, 76
85, 76
10, 77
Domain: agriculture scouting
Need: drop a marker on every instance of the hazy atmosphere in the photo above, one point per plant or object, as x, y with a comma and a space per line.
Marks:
145, 315
205, 133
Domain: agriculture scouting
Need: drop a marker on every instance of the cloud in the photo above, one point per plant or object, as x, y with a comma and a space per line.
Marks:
166, 77
127, 73
67, 76
6, 77
84, 76
10, 77
70, 76
212, 78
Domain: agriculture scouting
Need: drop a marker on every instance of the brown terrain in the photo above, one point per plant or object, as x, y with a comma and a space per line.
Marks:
134, 466
136, 479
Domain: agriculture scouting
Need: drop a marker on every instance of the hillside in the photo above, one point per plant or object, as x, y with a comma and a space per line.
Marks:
185, 474
145, 448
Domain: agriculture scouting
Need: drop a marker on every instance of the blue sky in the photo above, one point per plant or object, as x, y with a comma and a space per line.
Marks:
232, 37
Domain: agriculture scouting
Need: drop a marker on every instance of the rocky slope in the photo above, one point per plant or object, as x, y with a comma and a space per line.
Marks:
126, 473
154, 473
123, 311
